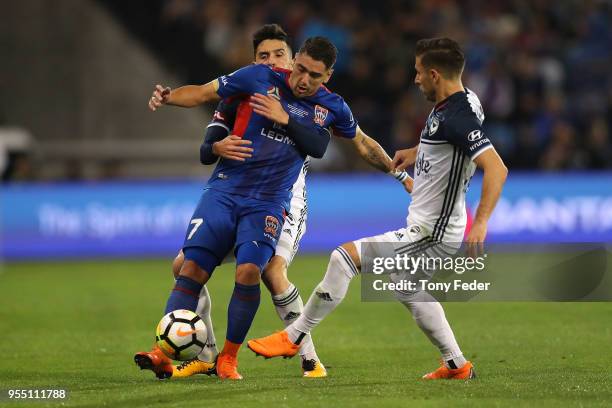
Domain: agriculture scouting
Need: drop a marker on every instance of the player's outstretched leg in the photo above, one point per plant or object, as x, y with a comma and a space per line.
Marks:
429, 316
343, 266
184, 295
289, 306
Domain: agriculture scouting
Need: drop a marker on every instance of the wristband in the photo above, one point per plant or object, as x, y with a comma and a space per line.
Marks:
400, 176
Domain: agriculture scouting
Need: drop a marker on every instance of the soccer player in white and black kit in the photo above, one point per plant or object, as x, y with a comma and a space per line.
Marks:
452, 145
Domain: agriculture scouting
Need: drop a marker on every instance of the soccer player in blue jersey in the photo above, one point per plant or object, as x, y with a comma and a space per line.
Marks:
284, 114
270, 47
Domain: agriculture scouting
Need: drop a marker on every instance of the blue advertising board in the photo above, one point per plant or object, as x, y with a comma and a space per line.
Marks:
118, 219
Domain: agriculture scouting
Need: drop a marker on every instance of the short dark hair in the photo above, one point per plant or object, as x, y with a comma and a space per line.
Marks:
320, 49
442, 54
269, 32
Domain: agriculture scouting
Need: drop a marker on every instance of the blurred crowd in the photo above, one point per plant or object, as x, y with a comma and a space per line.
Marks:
541, 68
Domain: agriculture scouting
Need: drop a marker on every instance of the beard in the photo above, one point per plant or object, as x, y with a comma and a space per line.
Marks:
430, 95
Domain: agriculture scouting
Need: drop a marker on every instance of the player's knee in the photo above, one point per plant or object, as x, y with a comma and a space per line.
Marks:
192, 270
197, 264
351, 250
255, 254
177, 264
248, 274
340, 266
275, 275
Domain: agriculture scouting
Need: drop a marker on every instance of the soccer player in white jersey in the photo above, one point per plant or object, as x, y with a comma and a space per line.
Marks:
271, 47
452, 145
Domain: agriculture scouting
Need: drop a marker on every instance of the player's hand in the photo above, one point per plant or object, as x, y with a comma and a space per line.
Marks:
233, 147
403, 159
269, 107
475, 239
160, 97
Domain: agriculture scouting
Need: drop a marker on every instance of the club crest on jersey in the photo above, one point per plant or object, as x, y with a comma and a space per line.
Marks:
274, 92
434, 125
474, 135
320, 115
272, 225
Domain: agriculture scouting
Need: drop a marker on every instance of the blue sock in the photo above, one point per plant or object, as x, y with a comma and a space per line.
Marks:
241, 311
184, 295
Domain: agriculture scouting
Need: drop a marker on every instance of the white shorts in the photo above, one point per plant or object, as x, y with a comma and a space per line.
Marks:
412, 240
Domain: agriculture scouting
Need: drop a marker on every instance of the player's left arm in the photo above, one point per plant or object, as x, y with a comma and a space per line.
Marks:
373, 153
346, 126
495, 173
465, 132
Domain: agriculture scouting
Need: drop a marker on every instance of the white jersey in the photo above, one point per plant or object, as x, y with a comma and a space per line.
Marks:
451, 140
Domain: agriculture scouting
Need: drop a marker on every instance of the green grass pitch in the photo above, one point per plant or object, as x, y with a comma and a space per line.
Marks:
76, 325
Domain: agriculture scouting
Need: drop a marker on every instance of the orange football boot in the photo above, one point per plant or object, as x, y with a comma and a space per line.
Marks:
274, 345
444, 373
227, 367
156, 361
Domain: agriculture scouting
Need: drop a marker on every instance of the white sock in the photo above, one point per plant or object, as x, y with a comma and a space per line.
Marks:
327, 295
289, 307
429, 316
209, 352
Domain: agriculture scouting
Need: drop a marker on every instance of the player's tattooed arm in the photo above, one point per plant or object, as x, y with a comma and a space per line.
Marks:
371, 151
375, 155
186, 96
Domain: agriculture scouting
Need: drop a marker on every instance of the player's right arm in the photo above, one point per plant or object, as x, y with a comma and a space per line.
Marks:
243, 81
309, 140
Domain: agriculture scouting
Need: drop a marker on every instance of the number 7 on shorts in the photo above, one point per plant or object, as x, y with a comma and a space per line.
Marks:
196, 222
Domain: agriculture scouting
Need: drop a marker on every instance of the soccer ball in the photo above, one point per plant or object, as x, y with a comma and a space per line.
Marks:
181, 335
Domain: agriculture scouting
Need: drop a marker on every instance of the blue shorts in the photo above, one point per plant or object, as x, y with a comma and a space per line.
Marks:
222, 221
